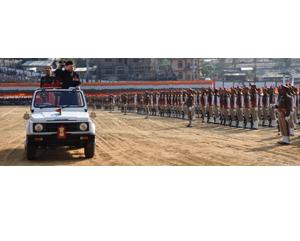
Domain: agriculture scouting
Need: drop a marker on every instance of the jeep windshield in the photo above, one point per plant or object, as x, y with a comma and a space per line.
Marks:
54, 99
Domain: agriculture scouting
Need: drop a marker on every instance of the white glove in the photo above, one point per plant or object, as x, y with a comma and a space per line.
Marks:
287, 118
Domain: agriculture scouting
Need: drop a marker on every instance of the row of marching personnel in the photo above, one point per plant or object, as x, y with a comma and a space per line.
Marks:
241, 107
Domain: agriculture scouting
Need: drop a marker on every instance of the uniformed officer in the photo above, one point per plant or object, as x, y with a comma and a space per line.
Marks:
246, 108
254, 106
284, 107
209, 105
216, 106
292, 124
273, 98
190, 106
69, 78
147, 104
58, 73
232, 110
239, 107
203, 101
48, 79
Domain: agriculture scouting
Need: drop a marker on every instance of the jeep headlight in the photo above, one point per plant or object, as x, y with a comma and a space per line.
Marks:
83, 126
38, 127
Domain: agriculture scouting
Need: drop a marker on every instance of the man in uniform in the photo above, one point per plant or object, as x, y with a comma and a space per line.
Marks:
197, 106
284, 107
190, 106
69, 78
147, 104
216, 106
58, 73
48, 79
226, 107
209, 105
239, 107
203, 101
259, 106
124, 101
232, 112
246, 109
112, 102
291, 123
265, 106
254, 106
183, 100
273, 97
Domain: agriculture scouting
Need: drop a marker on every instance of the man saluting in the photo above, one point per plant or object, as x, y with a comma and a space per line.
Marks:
69, 78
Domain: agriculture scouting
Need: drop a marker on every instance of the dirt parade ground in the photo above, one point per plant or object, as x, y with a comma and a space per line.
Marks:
132, 140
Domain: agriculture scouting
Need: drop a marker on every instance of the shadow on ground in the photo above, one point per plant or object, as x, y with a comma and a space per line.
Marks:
60, 156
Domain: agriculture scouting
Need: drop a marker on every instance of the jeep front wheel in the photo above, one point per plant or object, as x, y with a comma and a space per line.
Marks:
89, 149
30, 152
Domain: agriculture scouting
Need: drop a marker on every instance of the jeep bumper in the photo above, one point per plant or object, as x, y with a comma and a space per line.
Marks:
71, 140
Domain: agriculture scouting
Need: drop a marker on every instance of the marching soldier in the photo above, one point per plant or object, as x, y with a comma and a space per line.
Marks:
297, 106
169, 103
254, 106
190, 106
291, 123
161, 104
273, 97
197, 106
203, 101
156, 103
209, 105
222, 95
183, 100
216, 106
239, 107
259, 106
284, 109
147, 104
124, 101
232, 112
265, 106
112, 102
246, 109
226, 106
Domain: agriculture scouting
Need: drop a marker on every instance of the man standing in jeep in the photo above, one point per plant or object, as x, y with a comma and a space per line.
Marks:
48, 79
69, 78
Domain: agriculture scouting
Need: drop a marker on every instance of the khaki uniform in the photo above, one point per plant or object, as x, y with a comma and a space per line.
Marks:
239, 108
254, 98
285, 104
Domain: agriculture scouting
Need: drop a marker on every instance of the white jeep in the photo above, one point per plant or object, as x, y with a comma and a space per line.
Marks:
59, 117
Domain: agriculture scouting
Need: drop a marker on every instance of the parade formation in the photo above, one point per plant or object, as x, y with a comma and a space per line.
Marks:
245, 107
238, 107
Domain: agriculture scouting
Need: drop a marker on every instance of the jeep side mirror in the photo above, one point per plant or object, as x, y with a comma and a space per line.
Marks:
26, 116
93, 114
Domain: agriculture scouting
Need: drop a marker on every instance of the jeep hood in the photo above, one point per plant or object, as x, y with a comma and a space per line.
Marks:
64, 116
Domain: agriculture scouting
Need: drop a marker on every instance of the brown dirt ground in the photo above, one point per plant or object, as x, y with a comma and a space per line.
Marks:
132, 140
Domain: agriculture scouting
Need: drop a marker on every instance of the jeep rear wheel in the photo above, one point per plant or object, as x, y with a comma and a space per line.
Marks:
89, 149
30, 152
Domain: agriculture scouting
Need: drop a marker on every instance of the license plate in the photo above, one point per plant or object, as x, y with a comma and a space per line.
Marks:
61, 132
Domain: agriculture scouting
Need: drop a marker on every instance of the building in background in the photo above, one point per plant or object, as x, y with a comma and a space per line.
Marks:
148, 69
187, 68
